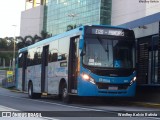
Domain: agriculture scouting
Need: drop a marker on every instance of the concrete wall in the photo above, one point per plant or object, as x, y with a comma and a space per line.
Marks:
32, 21
124, 11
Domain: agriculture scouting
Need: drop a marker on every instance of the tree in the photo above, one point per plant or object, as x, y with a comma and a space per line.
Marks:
28, 40
10, 43
70, 27
24, 42
2, 43
20, 42
45, 35
37, 38
6, 50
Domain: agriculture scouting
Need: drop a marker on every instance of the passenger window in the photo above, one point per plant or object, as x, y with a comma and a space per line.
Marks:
53, 52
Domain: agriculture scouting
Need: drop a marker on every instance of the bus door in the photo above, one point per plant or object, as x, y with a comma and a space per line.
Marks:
44, 82
153, 61
24, 67
73, 65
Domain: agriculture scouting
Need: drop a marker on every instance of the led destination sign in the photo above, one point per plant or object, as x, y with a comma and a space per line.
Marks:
103, 31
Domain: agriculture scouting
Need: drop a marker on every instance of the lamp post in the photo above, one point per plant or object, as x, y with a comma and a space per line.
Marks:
72, 16
14, 47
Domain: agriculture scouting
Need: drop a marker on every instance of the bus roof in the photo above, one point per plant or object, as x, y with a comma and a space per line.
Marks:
71, 32
23, 49
45, 41
120, 27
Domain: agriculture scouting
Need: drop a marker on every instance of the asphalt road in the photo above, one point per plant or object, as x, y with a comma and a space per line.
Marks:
53, 109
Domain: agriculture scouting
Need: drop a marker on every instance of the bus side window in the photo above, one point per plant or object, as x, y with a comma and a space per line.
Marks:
20, 60
53, 52
28, 59
62, 57
35, 58
54, 57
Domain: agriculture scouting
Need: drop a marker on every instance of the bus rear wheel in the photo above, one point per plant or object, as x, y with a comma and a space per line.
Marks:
65, 97
31, 94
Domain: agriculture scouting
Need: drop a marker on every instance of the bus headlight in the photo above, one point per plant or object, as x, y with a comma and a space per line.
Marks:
133, 80
87, 78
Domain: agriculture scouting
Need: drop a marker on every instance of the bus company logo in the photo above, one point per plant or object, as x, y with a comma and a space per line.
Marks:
100, 80
104, 80
6, 114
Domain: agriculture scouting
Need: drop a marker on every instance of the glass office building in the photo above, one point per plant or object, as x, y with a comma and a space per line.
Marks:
59, 14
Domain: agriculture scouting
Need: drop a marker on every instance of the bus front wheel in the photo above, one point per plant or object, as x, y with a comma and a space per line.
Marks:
31, 94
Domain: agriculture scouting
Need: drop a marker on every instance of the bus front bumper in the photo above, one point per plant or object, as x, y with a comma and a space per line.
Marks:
89, 89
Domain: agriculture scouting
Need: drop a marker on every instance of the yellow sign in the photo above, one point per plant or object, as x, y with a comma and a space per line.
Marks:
9, 73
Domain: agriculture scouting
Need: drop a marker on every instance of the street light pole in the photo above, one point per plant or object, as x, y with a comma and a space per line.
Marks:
14, 49
72, 16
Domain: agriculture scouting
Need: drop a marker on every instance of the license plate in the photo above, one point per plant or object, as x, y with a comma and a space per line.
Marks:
112, 88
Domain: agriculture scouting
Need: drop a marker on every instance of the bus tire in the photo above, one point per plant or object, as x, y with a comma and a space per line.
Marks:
65, 97
31, 94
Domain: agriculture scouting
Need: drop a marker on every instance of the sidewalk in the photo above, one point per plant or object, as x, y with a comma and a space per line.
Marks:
3, 108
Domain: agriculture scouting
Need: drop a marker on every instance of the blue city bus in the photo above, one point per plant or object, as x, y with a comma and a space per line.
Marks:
87, 61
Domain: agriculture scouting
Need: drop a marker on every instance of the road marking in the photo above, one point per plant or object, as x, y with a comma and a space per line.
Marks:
4, 108
83, 108
154, 118
146, 103
50, 118
70, 106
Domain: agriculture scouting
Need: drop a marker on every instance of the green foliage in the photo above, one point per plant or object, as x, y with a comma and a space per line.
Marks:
4, 68
7, 56
22, 42
7, 45
70, 27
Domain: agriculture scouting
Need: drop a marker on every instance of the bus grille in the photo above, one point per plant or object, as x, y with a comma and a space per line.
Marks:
106, 86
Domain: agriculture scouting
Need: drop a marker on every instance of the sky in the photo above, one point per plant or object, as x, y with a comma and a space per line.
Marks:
10, 15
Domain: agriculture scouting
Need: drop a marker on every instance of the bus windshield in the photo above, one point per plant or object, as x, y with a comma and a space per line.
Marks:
108, 53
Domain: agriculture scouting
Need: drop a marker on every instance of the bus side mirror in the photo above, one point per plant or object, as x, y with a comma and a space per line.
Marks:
83, 52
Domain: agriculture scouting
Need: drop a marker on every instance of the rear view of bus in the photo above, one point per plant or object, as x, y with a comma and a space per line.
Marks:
107, 62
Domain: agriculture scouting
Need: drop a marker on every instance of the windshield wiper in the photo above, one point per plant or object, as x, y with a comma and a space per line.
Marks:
105, 49
101, 42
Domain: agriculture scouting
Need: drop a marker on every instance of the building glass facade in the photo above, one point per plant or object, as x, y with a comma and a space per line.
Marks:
59, 14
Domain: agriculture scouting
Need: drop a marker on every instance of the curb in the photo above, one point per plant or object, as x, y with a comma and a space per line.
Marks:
18, 91
146, 104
